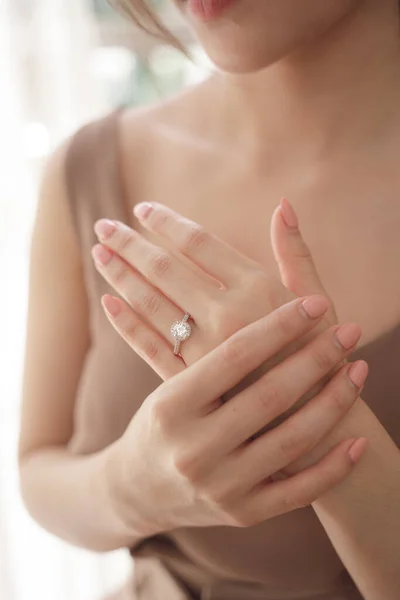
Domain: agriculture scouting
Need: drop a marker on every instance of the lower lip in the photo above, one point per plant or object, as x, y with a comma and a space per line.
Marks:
208, 9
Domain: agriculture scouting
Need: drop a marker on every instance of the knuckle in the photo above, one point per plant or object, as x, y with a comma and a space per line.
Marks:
129, 332
335, 476
219, 496
289, 447
228, 323
160, 220
159, 264
150, 304
151, 349
257, 280
196, 237
336, 468
187, 465
121, 275
169, 390
234, 353
285, 323
302, 251
340, 399
308, 491
160, 414
262, 284
322, 358
325, 479
269, 395
125, 240
261, 399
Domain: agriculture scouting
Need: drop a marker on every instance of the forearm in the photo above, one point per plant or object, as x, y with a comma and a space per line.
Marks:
74, 498
362, 515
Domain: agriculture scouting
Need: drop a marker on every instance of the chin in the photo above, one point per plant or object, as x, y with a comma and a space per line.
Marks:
253, 34
241, 57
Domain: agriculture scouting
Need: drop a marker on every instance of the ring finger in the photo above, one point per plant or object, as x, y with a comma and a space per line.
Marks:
145, 299
164, 270
146, 343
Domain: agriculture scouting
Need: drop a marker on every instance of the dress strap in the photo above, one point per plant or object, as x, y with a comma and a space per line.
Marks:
93, 177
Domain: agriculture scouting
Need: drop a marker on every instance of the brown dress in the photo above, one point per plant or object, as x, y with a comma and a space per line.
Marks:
289, 557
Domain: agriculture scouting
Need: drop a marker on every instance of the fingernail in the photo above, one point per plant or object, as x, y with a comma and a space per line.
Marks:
104, 228
288, 214
315, 306
101, 254
111, 304
142, 210
348, 335
357, 449
358, 373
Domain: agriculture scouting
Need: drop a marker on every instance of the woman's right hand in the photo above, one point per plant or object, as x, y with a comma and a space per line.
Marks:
187, 459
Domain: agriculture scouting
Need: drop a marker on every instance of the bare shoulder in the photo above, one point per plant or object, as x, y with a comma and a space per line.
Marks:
158, 141
53, 202
178, 111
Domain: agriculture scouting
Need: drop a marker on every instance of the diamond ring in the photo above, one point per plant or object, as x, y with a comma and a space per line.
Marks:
181, 331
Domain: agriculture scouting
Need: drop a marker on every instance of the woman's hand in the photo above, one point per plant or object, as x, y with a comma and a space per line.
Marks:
177, 468
222, 289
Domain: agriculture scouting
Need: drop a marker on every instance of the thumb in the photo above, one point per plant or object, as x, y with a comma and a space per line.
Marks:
293, 256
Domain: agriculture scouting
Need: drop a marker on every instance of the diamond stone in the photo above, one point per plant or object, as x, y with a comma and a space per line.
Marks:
181, 330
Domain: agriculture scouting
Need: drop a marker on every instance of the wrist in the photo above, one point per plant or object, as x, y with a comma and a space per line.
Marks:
130, 513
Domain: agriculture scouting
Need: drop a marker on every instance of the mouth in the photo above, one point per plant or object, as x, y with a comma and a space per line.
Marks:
207, 10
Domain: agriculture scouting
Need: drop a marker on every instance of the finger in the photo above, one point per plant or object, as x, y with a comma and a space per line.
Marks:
146, 343
144, 298
215, 257
301, 432
226, 366
296, 265
176, 281
300, 490
280, 388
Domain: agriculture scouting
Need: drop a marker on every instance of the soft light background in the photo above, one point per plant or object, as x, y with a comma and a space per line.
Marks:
62, 62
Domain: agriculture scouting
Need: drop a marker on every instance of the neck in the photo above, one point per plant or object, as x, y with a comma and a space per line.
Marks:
342, 89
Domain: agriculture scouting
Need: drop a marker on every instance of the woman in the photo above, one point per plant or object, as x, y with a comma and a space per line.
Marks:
260, 413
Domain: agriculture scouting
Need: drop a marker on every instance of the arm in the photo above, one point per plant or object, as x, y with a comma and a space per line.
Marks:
68, 495
361, 517
108, 499
362, 514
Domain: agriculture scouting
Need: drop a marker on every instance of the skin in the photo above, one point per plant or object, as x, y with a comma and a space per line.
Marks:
254, 35
322, 126
212, 480
230, 292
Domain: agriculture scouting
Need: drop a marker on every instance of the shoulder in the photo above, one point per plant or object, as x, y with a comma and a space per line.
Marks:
176, 119
137, 131
177, 112
70, 169
70, 153
53, 230
162, 137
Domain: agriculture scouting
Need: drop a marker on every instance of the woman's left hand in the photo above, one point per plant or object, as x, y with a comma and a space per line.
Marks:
222, 289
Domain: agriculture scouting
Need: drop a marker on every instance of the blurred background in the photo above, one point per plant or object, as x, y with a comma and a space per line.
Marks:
62, 63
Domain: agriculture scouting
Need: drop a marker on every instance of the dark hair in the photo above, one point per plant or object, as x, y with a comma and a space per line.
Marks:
145, 18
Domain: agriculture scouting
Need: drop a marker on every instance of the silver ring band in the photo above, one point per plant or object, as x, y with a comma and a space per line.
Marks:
181, 331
